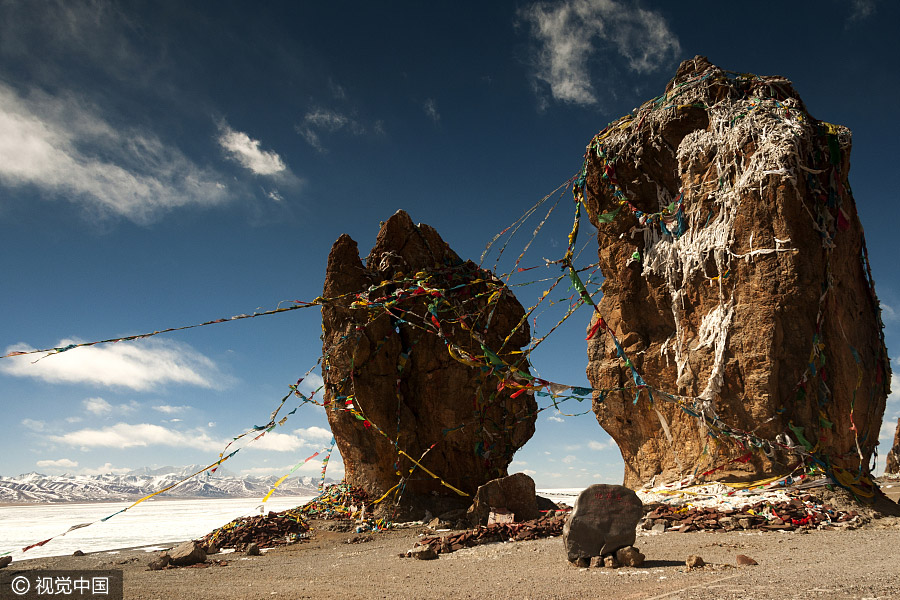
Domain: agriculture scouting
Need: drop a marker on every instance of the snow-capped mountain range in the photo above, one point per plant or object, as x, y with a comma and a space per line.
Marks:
36, 487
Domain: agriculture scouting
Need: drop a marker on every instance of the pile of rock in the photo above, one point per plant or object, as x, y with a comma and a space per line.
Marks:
273, 529
496, 532
798, 513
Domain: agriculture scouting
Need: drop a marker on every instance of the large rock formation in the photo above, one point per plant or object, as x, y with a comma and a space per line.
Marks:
892, 462
736, 282
412, 396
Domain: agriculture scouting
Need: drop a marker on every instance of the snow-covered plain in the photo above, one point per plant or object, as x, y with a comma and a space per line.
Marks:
151, 522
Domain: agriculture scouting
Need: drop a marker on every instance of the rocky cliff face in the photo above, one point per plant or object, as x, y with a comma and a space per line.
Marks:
892, 464
736, 284
412, 391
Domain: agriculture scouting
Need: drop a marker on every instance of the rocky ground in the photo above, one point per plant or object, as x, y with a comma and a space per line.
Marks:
860, 563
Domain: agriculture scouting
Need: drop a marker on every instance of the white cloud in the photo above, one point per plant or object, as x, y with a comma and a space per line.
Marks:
100, 407
529, 472
34, 425
124, 435
310, 437
888, 314
105, 469
431, 110
324, 120
66, 149
569, 459
311, 383
246, 151
314, 433
571, 34
595, 445
556, 419
278, 442
141, 365
170, 410
61, 463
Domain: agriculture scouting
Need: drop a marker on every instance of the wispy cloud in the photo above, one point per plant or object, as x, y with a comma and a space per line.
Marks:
431, 110
62, 463
34, 424
556, 419
101, 408
247, 152
571, 35
861, 9
125, 435
888, 314
65, 148
323, 120
170, 410
141, 366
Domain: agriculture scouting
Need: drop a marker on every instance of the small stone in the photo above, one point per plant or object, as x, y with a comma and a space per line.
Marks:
744, 523
596, 562
610, 562
659, 527
500, 515
5, 560
629, 556
583, 562
743, 560
160, 562
694, 561
253, 550
212, 549
423, 553
78, 553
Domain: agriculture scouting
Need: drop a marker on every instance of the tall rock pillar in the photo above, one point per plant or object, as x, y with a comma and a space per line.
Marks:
736, 283
418, 349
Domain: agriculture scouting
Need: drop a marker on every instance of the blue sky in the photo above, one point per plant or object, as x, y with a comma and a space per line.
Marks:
163, 164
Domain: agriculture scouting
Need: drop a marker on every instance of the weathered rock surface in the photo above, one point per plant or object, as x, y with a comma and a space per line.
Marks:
735, 281
391, 383
514, 493
187, 553
603, 520
892, 464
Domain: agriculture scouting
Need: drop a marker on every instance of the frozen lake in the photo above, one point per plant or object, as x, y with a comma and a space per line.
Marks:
147, 524
151, 522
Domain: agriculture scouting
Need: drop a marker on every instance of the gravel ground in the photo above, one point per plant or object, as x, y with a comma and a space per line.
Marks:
860, 563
